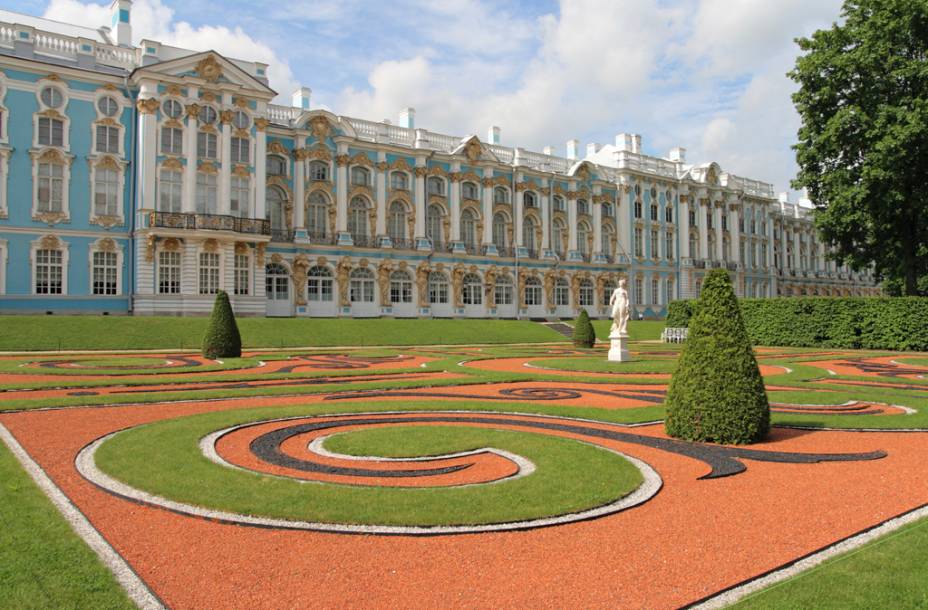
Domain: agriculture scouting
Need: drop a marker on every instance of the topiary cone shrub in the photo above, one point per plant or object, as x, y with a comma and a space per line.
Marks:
222, 339
717, 394
584, 335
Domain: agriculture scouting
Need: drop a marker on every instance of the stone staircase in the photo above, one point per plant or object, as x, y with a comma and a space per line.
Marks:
565, 329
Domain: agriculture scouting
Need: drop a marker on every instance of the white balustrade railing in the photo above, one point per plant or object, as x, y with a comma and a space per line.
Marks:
115, 56
51, 44
7, 34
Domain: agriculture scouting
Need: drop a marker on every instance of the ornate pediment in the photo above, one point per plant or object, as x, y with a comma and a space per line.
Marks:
210, 68
474, 150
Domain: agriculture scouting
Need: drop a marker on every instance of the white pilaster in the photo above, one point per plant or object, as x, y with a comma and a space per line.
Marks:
225, 167
735, 231
545, 218
420, 200
189, 203
518, 210
719, 236
684, 218
597, 223
702, 222
381, 194
572, 252
488, 211
455, 203
260, 169
341, 189
148, 150
299, 191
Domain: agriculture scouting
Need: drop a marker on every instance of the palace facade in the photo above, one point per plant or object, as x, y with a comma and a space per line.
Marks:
143, 179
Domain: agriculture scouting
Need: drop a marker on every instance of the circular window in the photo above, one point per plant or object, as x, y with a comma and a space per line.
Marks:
107, 106
207, 115
172, 108
240, 120
51, 97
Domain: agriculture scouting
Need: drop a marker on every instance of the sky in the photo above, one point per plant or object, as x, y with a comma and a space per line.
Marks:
707, 75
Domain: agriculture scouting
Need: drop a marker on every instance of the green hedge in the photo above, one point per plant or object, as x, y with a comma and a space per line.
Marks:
893, 323
222, 339
584, 334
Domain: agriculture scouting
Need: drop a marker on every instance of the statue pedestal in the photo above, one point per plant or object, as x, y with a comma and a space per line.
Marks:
618, 349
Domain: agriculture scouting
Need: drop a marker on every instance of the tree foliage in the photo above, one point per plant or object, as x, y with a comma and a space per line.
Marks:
222, 339
717, 394
584, 334
863, 141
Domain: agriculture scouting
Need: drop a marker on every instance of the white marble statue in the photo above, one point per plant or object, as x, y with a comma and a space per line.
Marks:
620, 310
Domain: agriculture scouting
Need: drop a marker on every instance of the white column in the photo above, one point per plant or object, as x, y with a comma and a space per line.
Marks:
146, 173
797, 260
381, 194
545, 202
299, 190
341, 188
770, 241
684, 236
597, 222
420, 198
702, 222
487, 207
455, 202
719, 235
189, 202
623, 226
734, 229
518, 210
783, 252
260, 169
571, 220
225, 168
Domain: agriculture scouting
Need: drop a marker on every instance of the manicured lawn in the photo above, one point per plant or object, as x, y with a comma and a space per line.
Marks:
43, 563
891, 572
643, 330
27, 333
599, 364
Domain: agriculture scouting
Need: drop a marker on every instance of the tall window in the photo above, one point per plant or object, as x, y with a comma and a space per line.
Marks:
559, 204
529, 199
557, 238
532, 291
586, 293
396, 221
361, 286
528, 233
654, 212
692, 217
583, 208
51, 132
433, 229
469, 228
49, 272
499, 230
639, 291
242, 274
317, 214
50, 187
472, 290
668, 245
399, 181
638, 209
209, 272
438, 287
106, 192
561, 293
639, 246
608, 288
694, 246
321, 284
400, 287
241, 150
318, 170
276, 206
207, 145
239, 196
172, 141
654, 245
170, 189
276, 166
668, 213
360, 176
583, 238
207, 193
655, 291
276, 282
107, 139
169, 273
435, 186
503, 292
469, 190
500, 195
357, 218
668, 287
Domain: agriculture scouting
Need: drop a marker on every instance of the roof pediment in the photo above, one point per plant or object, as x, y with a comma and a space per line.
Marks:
472, 148
207, 68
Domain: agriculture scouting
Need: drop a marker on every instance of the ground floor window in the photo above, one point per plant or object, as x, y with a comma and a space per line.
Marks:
655, 291
209, 272
562, 293
169, 273
242, 274
105, 272
276, 282
361, 286
586, 293
321, 284
503, 292
49, 272
532, 291
473, 290
608, 288
400, 287
438, 288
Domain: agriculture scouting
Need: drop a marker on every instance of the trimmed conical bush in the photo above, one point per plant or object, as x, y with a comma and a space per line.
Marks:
717, 394
584, 335
222, 339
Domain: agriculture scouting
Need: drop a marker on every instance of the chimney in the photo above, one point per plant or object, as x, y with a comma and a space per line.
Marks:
592, 148
548, 150
301, 98
636, 143
623, 141
493, 135
408, 118
573, 147
120, 10
678, 154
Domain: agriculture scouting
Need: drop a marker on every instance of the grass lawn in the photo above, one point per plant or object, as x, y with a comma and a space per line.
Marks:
891, 572
27, 333
599, 364
43, 563
638, 330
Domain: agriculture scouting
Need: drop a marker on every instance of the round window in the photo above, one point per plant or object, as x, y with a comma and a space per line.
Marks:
172, 108
207, 115
107, 106
51, 97
240, 120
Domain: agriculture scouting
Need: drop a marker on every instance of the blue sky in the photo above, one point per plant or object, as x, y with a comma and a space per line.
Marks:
708, 75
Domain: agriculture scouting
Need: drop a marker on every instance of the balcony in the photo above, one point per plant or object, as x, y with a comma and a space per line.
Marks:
401, 243
506, 251
316, 237
364, 241
281, 235
532, 253
210, 222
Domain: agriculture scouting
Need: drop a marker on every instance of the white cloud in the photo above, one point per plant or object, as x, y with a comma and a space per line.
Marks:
153, 20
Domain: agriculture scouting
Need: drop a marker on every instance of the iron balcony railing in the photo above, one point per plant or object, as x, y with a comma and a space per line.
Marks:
506, 251
281, 235
471, 248
401, 243
318, 237
364, 241
210, 222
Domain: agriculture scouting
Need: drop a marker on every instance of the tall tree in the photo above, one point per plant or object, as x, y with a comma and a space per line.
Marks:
863, 143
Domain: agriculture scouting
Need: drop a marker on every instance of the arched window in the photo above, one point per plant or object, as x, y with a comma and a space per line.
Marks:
396, 221
317, 214
276, 166
668, 213
557, 237
694, 246
654, 212
357, 218
276, 282
433, 224
532, 291
469, 228
318, 170
469, 190
607, 210
472, 290
399, 181
609, 239
435, 186
586, 293
276, 202
608, 288
583, 207
360, 176
561, 292
528, 233
559, 204
583, 238
438, 287
400, 287
320, 283
638, 209
499, 230
530, 200
361, 286
500, 195
503, 292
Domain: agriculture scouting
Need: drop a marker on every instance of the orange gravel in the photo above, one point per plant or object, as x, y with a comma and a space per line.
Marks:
524, 365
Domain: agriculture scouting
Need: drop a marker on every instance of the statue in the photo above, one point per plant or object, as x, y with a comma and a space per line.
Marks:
342, 273
620, 310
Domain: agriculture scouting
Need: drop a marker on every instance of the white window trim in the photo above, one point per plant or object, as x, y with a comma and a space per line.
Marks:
4, 112
44, 155
100, 246
222, 270
4, 251
250, 287
40, 244
60, 113
162, 168
4, 176
108, 220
